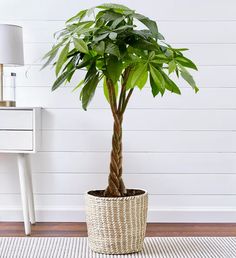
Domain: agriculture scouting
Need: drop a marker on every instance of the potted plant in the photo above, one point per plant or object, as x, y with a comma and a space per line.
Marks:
106, 42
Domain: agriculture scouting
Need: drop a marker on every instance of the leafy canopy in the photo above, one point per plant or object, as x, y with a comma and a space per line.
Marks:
106, 42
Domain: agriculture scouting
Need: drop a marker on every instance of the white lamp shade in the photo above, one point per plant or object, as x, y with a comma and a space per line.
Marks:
11, 45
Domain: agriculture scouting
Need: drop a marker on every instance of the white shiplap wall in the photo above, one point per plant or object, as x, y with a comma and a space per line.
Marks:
181, 149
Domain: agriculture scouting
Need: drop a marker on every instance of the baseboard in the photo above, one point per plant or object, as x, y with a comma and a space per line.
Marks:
168, 215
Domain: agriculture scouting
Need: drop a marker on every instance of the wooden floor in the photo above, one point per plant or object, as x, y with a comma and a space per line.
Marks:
153, 229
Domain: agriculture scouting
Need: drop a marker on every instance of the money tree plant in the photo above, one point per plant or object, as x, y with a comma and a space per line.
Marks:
124, 50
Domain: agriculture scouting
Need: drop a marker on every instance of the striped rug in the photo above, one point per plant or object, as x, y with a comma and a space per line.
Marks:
154, 247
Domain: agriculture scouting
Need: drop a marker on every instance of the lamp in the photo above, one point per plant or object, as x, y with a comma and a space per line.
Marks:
11, 54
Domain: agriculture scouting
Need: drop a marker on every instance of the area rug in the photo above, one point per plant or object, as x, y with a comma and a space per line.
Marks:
154, 247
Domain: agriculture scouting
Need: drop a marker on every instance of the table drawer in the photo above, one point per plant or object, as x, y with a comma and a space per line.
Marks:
16, 119
16, 140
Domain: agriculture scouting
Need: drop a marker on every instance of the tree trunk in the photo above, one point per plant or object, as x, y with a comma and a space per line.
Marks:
116, 185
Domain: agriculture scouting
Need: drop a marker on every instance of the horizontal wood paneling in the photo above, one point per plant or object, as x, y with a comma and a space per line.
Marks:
138, 120
139, 163
155, 184
140, 141
171, 10
64, 98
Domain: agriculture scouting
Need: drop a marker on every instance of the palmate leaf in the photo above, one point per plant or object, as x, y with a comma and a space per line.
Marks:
154, 87
117, 22
188, 78
150, 24
114, 6
100, 48
110, 16
62, 58
79, 16
171, 66
88, 90
50, 56
101, 36
50, 59
78, 86
110, 44
138, 76
184, 61
62, 78
170, 85
114, 68
112, 49
141, 44
80, 45
113, 36
157, 78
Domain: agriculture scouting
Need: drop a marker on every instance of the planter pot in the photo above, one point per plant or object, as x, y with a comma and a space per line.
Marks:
116, 225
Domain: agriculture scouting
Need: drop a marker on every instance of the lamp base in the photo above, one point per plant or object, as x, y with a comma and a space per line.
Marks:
7, 103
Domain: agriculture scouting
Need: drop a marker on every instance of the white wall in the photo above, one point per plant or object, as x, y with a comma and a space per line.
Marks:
180, 148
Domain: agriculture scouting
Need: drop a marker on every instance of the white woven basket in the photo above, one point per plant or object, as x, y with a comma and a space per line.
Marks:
116, 225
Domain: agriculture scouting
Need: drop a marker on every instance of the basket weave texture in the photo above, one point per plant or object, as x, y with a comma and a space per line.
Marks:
116, 225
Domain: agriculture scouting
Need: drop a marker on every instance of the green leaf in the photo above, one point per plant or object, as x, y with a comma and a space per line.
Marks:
105, 89
100, 48
50, 59
154, 87
84, 63
80, 45
92, 71
188, 78
112, 49
116, 22
142, 44
88, 90
114, 68
79, 16
142, 81
110, 16
186, 62
62, 58
62, 78
150, 24
113, 36
78, 86
82, 27
158, 79
138, 76
100, 37
53, 50
160, 36
114, 6
142, 33
124, 28
172, 66
170, 85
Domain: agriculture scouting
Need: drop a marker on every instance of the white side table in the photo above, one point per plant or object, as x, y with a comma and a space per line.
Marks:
20, 133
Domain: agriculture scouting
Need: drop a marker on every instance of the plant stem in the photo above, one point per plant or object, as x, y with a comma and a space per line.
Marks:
127, 100
116, 187
115, 183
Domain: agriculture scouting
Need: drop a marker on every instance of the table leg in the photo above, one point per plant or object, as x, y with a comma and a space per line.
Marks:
30, 193
22, 166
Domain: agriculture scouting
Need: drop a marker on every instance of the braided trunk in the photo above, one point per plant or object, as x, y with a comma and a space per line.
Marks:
116, 186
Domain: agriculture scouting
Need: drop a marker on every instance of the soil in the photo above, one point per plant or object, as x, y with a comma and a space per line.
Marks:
130, 192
